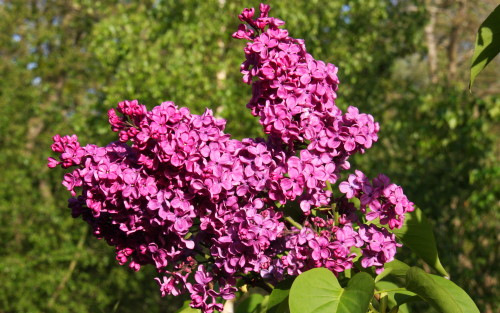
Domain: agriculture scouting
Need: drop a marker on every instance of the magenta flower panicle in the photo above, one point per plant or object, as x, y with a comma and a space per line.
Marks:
176, 192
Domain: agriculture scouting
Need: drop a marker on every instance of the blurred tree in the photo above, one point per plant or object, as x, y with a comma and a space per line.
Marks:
49, 85
442, 144
65, 63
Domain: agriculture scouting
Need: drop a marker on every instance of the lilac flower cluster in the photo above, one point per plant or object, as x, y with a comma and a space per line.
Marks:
329, 248
206, 210
294, 97
183, 185
322, 243
385, 200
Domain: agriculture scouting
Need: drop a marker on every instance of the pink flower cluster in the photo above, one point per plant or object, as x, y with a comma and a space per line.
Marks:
181, 188
385, 201
294, 95
331, 243
206, 210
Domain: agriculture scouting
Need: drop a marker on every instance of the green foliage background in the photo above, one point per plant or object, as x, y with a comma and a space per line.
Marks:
63, 64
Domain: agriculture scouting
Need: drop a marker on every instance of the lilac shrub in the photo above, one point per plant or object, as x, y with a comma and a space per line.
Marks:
175, 191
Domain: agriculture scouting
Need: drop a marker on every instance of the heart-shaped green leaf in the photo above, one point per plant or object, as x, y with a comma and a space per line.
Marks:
356, 297
318, 291
394, 268
439, 292
250, 304
278, 300
487, 44
397, 297
417, 235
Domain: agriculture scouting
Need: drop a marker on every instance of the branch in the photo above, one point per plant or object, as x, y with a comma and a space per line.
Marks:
457, 25
293, 222
431, 40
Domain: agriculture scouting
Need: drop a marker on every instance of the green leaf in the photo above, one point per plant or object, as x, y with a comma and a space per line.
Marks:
262, 308
357, 295
439, 292
394, 268
316, 290
250, 304
319, 291
487, 44
278, 300
397, 298
417, 235
187, 309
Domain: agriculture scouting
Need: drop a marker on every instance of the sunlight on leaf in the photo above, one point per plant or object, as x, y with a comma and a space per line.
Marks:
487, 44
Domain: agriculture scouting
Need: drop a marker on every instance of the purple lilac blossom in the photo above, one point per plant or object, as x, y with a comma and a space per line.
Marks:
294, 98
384, 199
176, 192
